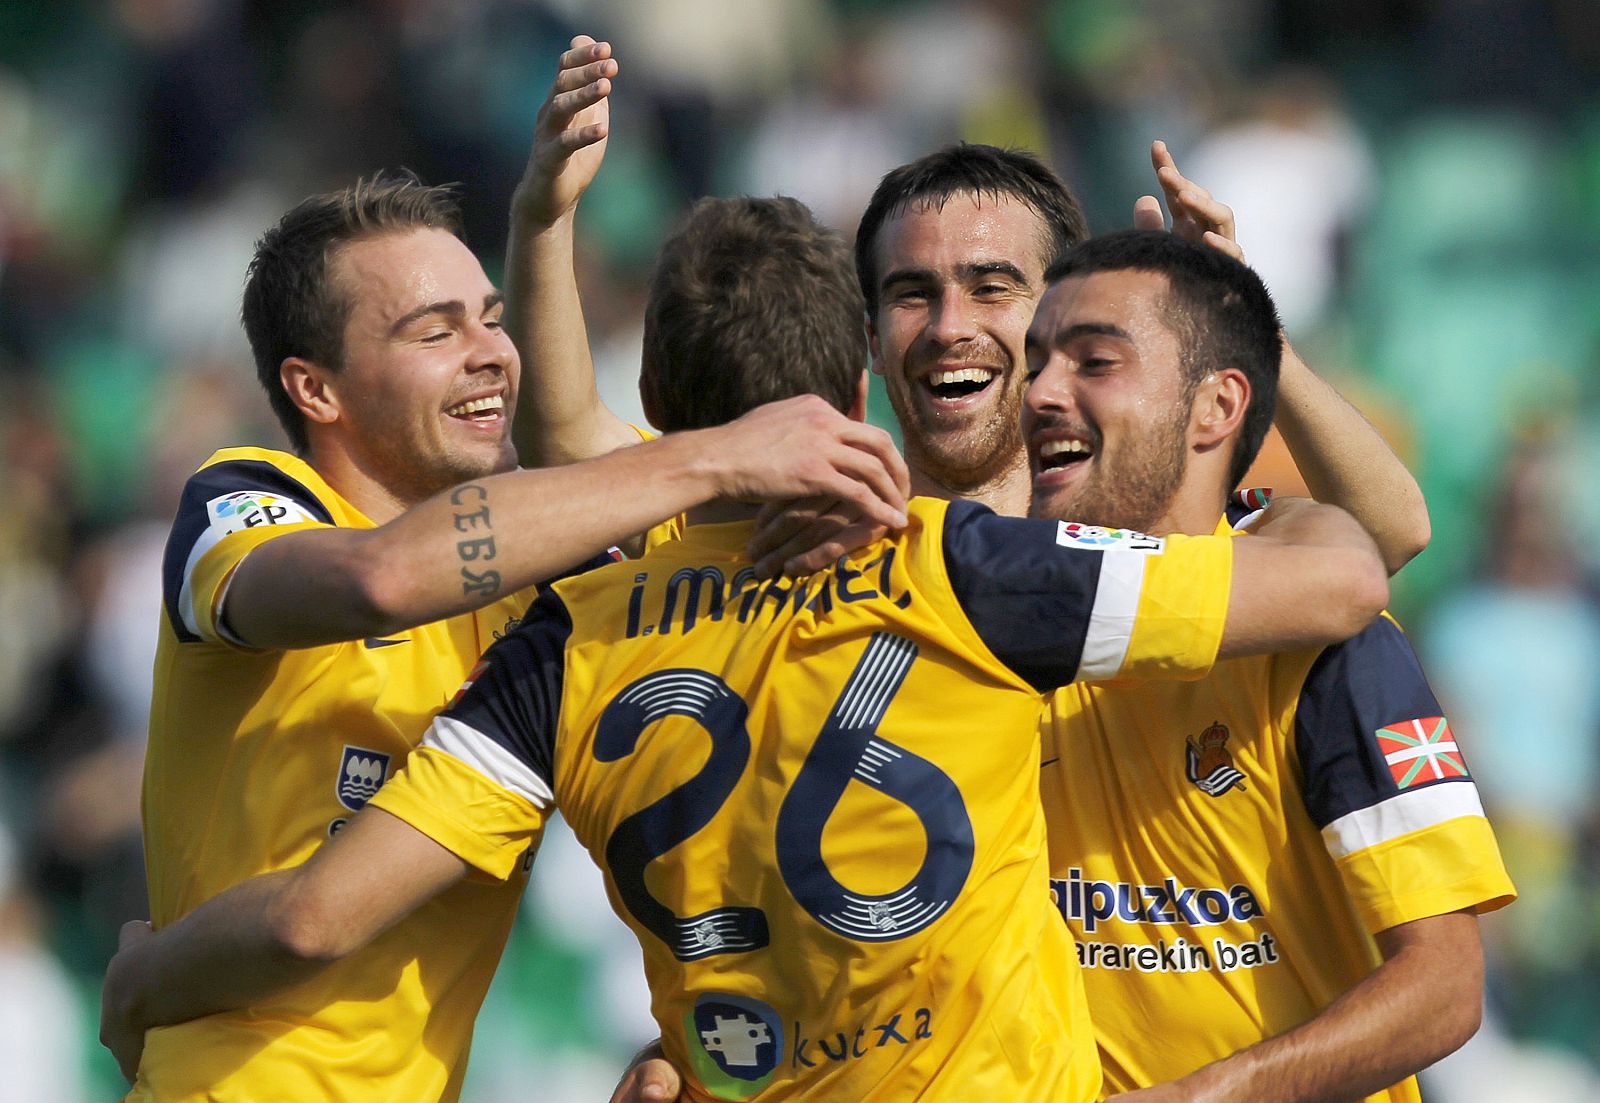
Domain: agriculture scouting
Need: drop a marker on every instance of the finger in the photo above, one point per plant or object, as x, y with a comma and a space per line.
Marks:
842, 543
568, 104
576, 77
1224, 245
570, 141
812, 543
1147, 214
880, 445
1160, 156
659, 1081
1208, 212
583, 49
1174, 183
780, 529
862, 478
135, 930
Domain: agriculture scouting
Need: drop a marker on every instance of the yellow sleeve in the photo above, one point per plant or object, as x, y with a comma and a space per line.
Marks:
1442, 868
482, 823
207, 582
1182, 605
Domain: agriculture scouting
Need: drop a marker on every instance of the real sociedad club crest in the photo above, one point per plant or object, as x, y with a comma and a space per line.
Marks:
735, 1043
1208, 763
361, 771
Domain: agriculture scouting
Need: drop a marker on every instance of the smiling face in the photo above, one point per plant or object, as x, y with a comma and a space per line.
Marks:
957, 284
1107, 413
428, 383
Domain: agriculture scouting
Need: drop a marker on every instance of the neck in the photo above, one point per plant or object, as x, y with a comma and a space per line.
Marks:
1007, 493
1193, 511
357, 483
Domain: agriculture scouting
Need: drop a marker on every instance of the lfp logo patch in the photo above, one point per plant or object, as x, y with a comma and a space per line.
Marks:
248, 509
734, 1044
1071, 534
361, 772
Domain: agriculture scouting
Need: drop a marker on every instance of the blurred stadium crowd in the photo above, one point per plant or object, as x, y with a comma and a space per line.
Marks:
1419, 183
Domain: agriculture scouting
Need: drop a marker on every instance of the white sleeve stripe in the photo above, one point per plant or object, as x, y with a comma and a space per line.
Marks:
1116, 608
206, 541
469, 745
1400, 815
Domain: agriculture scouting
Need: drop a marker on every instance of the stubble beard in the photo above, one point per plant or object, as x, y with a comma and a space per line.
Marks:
1135, 486
964, 458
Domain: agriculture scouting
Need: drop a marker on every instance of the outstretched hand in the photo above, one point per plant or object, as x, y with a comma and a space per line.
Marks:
1196, 216
569, 136
804, 448
118, 1032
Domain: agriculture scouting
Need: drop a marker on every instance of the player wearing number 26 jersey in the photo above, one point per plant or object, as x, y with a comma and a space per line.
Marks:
806, 795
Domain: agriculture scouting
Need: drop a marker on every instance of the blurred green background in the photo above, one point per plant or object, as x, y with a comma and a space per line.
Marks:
1418, 181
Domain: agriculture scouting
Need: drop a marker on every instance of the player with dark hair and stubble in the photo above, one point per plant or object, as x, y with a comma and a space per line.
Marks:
952, 255
322, 604
812, 799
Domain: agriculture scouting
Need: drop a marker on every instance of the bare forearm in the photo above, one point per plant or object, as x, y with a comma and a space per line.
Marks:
1310, 577
1346, 462
560, 415
1422, 1003
221, 956
463, 548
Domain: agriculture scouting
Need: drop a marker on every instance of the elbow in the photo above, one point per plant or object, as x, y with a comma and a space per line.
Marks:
380, 592
303, 935
1409, 541
1366, 594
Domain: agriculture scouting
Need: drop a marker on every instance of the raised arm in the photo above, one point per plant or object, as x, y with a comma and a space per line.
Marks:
1309, 576
469, 545
1345, 460
272, 931
560, 418
1422, 1003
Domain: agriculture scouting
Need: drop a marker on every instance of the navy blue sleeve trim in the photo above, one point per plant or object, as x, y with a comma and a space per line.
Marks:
1028, 597
1353, 690
192, 520
595, 562
516, 701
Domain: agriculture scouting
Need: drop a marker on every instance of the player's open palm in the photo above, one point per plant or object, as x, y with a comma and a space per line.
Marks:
569, 137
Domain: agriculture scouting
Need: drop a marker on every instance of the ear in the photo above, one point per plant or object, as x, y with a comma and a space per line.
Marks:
873, 346
311, 388
1220, 403
858, 408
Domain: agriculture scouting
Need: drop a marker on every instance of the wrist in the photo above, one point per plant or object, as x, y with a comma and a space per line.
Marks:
528, 218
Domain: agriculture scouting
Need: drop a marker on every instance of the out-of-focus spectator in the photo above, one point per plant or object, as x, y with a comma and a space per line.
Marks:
1514, 655
40, 1029
1297, 174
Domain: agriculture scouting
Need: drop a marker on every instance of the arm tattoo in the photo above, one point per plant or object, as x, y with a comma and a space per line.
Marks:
478, 546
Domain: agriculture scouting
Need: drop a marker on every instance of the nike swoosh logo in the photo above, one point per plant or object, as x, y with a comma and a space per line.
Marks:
373, 641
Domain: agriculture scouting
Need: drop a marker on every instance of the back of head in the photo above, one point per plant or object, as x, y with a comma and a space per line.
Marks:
965, 169
751, 302
292, 306
1220, 310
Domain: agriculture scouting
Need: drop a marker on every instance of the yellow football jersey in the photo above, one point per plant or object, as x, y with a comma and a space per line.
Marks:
813, 800
256, 758
1223, 850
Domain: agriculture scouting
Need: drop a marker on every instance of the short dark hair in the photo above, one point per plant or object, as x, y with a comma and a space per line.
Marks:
291, 307
1219, 308
967, 169
751, 301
